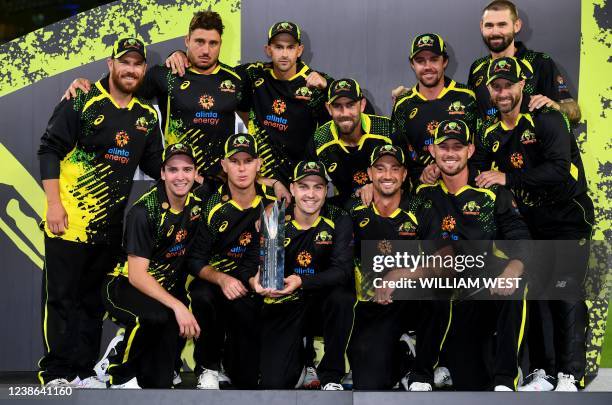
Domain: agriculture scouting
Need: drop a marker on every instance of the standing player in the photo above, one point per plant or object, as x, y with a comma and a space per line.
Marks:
535, 155
375, 348
434, 98
142, 292
224, 256
499, 26
457, 210
345, 143
318, 296
88, 155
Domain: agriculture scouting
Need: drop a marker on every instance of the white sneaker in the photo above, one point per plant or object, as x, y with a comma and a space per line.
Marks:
223, 378
130, 385
539, 382
347, 381
311, 379
502, 388
566, 383
93, 382
111, 350
333, 387
59, 382
176, 378
442, 377
208, 380
419, 386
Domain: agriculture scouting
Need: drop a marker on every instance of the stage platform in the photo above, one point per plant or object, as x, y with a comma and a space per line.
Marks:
185, 394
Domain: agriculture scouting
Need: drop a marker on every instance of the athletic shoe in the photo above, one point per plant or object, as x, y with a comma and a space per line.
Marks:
566, 383
347, 381
208, 380
93, 382
224, 380
333, 387
419, 386
539, 382
176, 378
111, 350
59, 382
301, 379
502, 388
442, 378
311, 379
130, 385
404, 381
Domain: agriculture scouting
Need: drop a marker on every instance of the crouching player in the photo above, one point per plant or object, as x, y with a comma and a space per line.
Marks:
141, 292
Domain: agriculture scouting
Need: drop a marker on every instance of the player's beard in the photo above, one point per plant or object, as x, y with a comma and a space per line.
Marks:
347, 130
503, 45
116, 77
515, 99
204, 66
453, 172
439, 78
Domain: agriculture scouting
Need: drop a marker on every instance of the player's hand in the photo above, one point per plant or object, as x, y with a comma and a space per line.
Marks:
292, 283
398, 92
199, 179
514, 270
80, 83
280, 191
383, 295
256, 286
366, 193
430, 174
188, 326
491, 177
177, 62
538, 101
57, 218
232, 287
316, 81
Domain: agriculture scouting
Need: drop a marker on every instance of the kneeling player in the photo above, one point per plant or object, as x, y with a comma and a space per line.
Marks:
141, 293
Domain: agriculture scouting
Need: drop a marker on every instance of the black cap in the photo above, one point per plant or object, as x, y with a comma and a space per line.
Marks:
452, 129
428, 42
507, 68
125, 45
344, 88
309, 168
387, 149
177, 149
285, 27
240, 143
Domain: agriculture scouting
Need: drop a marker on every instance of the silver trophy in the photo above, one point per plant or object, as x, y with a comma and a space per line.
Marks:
272, 251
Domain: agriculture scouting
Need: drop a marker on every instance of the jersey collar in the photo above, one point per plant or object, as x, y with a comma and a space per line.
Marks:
366, 125
301, 71
261, 194
449, 85
214, 72
104, 87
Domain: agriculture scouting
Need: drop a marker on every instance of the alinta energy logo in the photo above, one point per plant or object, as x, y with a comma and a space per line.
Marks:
516, 159
274, 120
206, 116
180, 235
245, 238
303, 260
360, 178
448, 227
119, 154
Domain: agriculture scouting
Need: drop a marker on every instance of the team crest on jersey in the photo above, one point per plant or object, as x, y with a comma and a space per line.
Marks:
227, 86
456, 108
142, 124
122, 139
385, 247
448, 223
360, 178
303, 93
304, 258
516, 159
471, 208
207, 101
528, 137
407, 229
245, 238
279, 106
323, 238
195, 213
180, 236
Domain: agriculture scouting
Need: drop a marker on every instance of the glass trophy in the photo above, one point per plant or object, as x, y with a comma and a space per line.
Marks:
272, 249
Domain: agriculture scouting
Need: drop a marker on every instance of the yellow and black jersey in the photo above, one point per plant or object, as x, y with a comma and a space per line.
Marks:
539, 156
155, 231
415, 120
543, 78
198, 109
227, 238
93, 147
347, 165
321, 255
283, 117
369, 224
